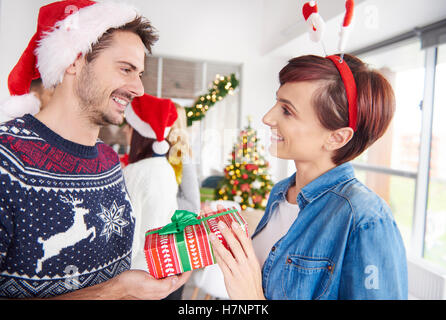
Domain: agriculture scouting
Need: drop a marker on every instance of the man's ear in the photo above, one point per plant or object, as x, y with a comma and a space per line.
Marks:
76, 66
338, 138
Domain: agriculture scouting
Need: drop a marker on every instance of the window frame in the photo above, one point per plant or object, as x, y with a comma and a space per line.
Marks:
421, 176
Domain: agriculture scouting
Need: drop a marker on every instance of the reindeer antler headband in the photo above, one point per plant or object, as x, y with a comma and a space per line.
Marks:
316, 29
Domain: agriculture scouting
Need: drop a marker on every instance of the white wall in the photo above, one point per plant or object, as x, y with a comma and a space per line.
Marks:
18, 23
259, 34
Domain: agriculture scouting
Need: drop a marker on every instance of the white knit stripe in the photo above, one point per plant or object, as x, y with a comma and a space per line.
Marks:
60, 189
75, 35
41, 173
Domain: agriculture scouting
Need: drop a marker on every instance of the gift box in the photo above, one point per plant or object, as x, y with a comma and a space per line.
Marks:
184, 244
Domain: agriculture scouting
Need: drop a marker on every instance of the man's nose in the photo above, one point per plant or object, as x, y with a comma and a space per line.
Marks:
136, 86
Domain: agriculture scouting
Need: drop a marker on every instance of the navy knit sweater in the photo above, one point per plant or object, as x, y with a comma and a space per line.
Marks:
65, 217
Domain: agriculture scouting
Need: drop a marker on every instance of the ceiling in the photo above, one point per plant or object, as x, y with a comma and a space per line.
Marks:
374, 21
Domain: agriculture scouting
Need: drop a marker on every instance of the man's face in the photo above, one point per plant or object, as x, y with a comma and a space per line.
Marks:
107, 85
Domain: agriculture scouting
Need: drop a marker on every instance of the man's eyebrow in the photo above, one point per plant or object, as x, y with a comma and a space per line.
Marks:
134, 68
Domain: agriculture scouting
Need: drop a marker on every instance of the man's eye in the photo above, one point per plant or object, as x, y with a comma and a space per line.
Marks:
126, 70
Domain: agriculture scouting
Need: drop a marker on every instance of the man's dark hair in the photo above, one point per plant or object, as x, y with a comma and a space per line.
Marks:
140, 26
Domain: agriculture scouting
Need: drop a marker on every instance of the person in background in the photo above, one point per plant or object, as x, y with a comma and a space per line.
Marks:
324, 235
149, 178
180, 157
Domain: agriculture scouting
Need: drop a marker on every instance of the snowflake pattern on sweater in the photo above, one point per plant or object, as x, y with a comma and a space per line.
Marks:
66, 220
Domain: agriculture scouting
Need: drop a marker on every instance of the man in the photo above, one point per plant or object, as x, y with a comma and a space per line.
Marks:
66, 224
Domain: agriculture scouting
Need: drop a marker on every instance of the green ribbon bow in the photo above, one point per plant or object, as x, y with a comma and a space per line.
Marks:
180, 220
183, 218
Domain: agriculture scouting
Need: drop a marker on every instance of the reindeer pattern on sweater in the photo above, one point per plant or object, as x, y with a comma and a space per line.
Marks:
65, 216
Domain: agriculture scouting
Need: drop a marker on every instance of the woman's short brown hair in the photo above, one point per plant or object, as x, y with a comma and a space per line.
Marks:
141, 147
375, 99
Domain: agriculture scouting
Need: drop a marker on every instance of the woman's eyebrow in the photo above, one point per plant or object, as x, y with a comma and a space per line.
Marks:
288, 102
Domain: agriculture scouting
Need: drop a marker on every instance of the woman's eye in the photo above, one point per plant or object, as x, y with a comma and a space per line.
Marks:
285, 111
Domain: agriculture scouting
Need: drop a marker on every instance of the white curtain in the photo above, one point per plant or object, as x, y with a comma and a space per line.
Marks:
214, 136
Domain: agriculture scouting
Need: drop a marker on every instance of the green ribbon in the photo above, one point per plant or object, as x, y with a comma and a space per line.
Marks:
183, 218
180, 220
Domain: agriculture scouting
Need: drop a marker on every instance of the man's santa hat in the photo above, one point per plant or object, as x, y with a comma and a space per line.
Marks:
152, 117
65, 29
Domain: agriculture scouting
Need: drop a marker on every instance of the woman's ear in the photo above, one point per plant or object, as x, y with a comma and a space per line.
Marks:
338, 138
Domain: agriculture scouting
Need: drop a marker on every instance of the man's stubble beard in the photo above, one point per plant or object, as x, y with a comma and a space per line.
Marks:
92, 100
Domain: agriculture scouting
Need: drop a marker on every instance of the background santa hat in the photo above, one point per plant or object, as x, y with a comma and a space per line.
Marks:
152, 117
65, 29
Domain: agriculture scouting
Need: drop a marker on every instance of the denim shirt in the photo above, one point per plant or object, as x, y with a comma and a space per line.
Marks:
344, 244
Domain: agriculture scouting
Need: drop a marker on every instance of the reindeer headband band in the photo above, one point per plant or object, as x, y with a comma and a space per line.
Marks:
316, 29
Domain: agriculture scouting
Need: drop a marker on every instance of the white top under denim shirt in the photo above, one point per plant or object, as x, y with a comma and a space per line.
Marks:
344, 243
278, 225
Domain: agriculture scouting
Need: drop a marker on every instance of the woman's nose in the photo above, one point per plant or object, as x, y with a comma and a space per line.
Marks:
268, 118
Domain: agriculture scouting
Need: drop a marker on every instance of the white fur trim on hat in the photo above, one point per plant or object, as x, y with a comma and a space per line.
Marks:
75, 35
17, 106
142, 127
160, 148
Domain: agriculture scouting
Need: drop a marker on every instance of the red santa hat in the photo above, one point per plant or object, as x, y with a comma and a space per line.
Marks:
152, 117
65, 29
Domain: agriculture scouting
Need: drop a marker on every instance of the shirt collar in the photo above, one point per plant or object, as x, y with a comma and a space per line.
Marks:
325, 182
318, 186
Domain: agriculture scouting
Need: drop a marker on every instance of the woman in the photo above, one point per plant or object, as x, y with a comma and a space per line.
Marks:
149, 178
324, 235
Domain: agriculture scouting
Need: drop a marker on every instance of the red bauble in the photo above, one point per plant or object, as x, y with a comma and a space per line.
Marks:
251, 167
245, 187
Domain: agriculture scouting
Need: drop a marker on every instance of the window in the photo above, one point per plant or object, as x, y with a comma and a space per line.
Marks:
435, 238
407, 166
389, 167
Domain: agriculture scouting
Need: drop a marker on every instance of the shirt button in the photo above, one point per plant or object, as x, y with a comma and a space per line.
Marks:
289, 261
330, 267
273, 249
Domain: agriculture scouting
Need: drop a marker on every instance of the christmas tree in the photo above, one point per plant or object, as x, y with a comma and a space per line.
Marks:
246, 178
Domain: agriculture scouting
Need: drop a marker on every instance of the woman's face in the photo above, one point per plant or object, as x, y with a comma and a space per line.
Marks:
296, 131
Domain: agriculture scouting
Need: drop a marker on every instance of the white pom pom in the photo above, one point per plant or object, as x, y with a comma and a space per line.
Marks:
17, 106
160, 147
